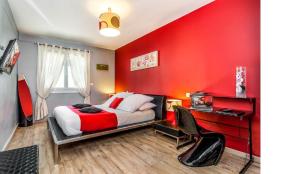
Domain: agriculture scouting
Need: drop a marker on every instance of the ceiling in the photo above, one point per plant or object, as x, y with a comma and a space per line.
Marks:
77, 20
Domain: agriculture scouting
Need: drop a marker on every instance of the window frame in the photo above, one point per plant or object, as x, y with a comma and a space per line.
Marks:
65, 89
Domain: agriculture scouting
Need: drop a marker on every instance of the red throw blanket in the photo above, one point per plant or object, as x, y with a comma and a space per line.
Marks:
90, 122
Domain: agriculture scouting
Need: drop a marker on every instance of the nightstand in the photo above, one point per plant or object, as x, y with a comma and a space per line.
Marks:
166, 128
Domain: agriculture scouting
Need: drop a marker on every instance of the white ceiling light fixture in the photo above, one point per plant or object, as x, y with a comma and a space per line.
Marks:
109, 24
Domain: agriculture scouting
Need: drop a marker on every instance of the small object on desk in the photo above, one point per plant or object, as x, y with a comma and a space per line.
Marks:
240, 78
204, 109
232, 112
202, 101
22, 160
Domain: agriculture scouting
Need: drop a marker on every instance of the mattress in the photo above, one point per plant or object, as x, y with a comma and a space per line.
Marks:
69, 121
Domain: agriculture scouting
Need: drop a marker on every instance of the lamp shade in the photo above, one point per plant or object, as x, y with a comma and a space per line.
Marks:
109, 24
173, 102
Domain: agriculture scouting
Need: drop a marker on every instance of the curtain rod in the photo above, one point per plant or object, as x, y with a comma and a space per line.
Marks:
62, 47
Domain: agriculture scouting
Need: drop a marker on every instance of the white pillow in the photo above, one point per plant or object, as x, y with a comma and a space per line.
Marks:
120, 95
147, 106
134, 102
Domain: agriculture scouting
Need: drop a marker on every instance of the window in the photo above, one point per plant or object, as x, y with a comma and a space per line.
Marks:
65, 82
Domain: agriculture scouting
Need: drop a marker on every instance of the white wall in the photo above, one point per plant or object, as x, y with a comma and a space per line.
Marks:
104, 81
8, 83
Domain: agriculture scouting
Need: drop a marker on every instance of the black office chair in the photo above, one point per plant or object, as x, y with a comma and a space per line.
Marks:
209, 146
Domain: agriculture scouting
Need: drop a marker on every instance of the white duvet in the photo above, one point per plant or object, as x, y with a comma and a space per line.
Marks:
69, 121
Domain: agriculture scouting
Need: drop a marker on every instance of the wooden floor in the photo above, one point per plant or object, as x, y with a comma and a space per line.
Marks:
139, 151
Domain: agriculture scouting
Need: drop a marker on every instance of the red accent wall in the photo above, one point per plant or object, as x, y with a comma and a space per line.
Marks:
200, 51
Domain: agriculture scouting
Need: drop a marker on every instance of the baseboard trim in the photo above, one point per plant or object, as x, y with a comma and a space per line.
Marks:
241, 154
10, 137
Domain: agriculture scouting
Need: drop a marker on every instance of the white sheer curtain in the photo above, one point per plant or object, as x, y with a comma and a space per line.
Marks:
79, 62
49, 67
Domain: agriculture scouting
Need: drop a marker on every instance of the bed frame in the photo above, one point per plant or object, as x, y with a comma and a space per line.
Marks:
59, 138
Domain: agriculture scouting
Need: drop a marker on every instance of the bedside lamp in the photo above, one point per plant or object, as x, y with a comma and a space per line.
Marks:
173, 102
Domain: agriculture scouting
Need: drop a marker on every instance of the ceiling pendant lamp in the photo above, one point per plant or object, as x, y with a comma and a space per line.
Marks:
109, 24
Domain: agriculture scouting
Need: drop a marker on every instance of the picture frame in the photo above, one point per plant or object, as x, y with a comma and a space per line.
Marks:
10, 57
148, 60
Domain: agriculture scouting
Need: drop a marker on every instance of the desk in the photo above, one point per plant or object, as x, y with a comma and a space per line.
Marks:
247, 115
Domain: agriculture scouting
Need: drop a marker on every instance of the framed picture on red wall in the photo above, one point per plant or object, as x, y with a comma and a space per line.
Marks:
149, 60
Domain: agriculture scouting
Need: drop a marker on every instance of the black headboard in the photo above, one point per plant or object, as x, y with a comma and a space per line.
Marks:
160, 109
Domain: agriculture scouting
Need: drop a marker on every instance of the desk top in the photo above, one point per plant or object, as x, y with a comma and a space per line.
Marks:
233, 97
216, 110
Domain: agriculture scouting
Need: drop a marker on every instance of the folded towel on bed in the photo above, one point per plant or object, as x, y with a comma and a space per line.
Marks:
90, 110
79, 106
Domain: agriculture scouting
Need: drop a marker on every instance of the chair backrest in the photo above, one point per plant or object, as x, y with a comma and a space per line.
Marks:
186, 121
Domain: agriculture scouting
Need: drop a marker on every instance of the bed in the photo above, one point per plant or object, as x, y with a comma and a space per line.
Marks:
64, 132
72, 122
